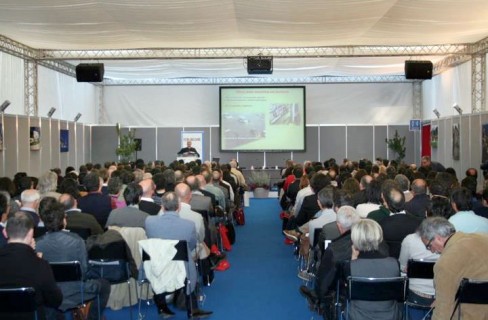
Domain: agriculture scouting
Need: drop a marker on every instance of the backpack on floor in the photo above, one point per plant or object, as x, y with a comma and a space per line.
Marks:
239, 216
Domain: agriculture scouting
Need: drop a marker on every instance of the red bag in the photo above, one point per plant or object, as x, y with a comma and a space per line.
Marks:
223, 265
225, 240
239, 216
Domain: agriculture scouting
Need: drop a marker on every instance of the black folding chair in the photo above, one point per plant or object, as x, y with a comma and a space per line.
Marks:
470, 291
110, 263
18, 303
84, 233
39, 232
181, 255
376, 289
419, 269
70, 271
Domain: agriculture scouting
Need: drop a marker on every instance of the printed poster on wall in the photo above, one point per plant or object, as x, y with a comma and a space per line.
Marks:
196, 138
35, 138
63, 140
484, 143
456, 141
434, 136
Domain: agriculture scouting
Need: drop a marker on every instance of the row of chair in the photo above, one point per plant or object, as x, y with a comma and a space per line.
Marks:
14, 301
396, 288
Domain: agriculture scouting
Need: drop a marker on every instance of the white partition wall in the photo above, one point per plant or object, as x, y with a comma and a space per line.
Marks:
17, 155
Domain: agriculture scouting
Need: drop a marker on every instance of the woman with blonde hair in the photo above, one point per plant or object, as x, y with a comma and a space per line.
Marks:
368, 261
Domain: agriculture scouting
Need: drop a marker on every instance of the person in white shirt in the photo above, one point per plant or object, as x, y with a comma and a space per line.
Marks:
325, 199
465, 220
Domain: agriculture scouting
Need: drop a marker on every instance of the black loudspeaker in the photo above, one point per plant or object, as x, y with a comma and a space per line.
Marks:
89, 72
418, 70
259, 65
138, 144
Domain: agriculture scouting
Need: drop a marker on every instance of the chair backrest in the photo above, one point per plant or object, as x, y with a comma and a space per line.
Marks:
39, 232
116, 250
181, 252
84, 233
67, 271
316, 236
377, 289
420, 269
472, 291
204, 214
18, 300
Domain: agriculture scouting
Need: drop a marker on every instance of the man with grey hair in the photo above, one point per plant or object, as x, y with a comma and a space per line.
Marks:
404, 185
171, 226
336, 251
462, 256
30, 199
198, 201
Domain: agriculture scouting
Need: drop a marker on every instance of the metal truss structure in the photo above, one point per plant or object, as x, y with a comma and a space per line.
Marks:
417, 100
55, 60
239, 53
256, 80
30, 88
478, 83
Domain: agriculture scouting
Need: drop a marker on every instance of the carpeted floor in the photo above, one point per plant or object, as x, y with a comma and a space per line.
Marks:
262, 281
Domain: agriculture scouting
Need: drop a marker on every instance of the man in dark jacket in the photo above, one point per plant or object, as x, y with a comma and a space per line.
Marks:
95, 202
421, 201
22, 267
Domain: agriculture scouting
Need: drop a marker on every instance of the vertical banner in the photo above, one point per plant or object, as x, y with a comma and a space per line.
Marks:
426, 140
63, 140
35, 138
196, 138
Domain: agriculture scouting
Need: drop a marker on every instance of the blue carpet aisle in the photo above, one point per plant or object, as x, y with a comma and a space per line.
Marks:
262, 281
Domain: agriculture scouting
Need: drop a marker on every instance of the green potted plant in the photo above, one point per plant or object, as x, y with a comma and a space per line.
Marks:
397, 145
258, 183
127, 145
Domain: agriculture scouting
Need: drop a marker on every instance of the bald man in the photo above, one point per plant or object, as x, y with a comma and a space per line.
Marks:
183, 192
420, 201
147, 203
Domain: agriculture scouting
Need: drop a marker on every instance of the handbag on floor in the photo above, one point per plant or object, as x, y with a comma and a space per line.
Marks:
225, 239
239, 216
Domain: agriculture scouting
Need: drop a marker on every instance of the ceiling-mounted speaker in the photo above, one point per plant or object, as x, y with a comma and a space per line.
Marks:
89, 72
418, 70
259, 65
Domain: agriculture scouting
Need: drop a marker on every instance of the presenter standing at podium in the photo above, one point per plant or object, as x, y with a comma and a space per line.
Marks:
189, 150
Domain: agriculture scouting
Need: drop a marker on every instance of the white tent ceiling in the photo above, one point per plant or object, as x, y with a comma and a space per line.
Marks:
124, 24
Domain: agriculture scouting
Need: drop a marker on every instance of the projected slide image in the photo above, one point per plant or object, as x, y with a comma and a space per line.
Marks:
243, 128
284, 114
262, 118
